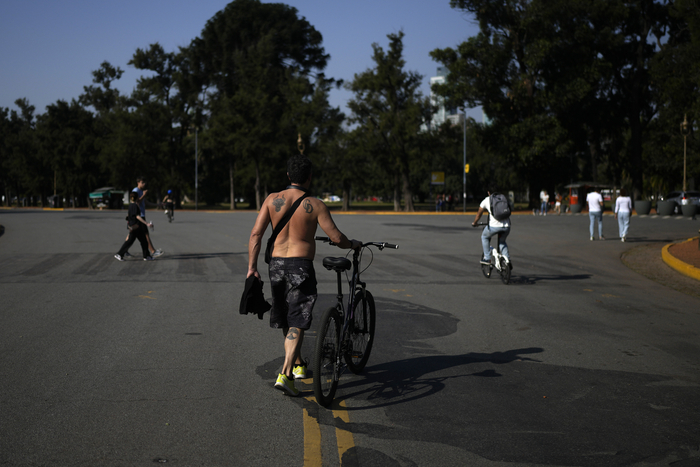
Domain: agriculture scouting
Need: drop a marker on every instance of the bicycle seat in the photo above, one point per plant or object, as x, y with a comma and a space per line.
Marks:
336, 264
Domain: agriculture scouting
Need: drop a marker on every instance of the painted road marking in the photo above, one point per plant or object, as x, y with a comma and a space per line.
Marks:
312, 437
343, 437
312, 433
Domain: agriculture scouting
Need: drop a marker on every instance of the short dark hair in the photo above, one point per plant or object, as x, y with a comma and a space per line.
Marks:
299, 169
140, 179
623, 192
133, 196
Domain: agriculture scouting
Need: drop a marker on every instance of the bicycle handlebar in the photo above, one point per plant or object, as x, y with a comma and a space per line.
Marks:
380, 245
480, 223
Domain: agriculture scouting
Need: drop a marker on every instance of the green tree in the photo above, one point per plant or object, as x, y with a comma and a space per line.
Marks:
22, 171
66, 151
388, 109
248, 55
676, 71
558, 78
169, 99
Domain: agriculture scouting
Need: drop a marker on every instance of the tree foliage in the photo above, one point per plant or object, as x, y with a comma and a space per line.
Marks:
389, 110
563, 81
573, 89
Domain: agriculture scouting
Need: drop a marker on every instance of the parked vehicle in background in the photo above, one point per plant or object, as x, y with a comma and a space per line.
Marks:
107, 198
681, 198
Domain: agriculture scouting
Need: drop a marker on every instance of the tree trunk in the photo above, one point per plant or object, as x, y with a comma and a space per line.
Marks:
230, 179
593, 148
635, 154
258, 203
397, 194
407, 194
346, 196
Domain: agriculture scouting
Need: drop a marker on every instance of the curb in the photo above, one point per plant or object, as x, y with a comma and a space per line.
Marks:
680, 266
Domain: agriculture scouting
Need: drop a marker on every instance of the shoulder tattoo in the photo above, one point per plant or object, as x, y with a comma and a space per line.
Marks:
278, 202
308, 207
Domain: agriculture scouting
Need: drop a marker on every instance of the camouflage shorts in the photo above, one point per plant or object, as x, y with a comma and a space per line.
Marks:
293, 283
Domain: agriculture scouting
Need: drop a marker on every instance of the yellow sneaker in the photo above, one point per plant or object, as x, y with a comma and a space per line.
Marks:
299, 371
286, 385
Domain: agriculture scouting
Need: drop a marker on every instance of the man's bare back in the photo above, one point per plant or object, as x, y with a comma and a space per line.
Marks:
296, 240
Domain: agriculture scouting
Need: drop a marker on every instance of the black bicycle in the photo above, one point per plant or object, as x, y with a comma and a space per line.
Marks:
498, 261
344, 339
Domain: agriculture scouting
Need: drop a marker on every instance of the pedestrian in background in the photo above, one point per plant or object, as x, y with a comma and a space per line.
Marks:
595, 212
138, 227
544, 198
623, 211
557, 203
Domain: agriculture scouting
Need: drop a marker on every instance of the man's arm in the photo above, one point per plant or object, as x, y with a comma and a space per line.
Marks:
325, 221
478, 215
255, 240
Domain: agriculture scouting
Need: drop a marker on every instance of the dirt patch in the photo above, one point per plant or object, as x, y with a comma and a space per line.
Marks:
687, 252
646, 260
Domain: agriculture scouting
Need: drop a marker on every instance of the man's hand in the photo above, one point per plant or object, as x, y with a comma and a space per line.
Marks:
253, 272
355, 244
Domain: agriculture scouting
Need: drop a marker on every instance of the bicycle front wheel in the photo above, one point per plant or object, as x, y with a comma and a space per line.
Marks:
486, 269
325, 374
505, 271
361, 332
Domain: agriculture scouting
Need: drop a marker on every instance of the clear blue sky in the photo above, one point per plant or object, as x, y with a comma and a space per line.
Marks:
48, 48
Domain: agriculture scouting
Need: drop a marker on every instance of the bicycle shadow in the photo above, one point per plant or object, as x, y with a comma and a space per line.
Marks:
403, 381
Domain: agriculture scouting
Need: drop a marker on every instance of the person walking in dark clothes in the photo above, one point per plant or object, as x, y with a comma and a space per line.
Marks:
137, 230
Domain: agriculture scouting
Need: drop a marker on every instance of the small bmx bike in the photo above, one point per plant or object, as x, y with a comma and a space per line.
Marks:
498, 262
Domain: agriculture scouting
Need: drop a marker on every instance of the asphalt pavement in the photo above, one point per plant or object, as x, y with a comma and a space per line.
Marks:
579, 361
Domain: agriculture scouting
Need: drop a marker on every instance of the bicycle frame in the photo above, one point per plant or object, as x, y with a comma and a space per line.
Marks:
355, 285
496, 256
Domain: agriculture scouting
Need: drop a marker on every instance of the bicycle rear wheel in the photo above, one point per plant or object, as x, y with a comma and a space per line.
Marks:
486, 269
505, 271
325, 374
361, 332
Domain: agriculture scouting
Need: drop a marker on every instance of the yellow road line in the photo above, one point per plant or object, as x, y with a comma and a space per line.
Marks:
312, 435
344, 438
312, 438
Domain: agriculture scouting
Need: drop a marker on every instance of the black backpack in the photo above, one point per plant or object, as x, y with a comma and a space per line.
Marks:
500, 207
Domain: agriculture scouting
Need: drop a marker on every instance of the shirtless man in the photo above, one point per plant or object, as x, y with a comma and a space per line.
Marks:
291, 269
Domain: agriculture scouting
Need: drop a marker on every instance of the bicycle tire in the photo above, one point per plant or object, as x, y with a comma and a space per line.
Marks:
325, 374
486, 269
505, 271
361, 333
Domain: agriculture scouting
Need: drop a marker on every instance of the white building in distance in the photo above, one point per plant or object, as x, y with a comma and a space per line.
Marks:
443, 113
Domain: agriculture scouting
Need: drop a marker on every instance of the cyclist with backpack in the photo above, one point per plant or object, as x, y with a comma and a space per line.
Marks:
498, 207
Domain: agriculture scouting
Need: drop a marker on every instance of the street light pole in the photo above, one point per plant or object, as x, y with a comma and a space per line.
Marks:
464, 165
684, 131
196, 169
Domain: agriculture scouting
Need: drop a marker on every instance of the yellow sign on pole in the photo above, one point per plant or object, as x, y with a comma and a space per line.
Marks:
437, 178
466, 169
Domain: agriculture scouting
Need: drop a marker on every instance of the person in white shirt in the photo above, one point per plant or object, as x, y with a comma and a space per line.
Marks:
495, 227
544, 202
595, 211
623, 211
